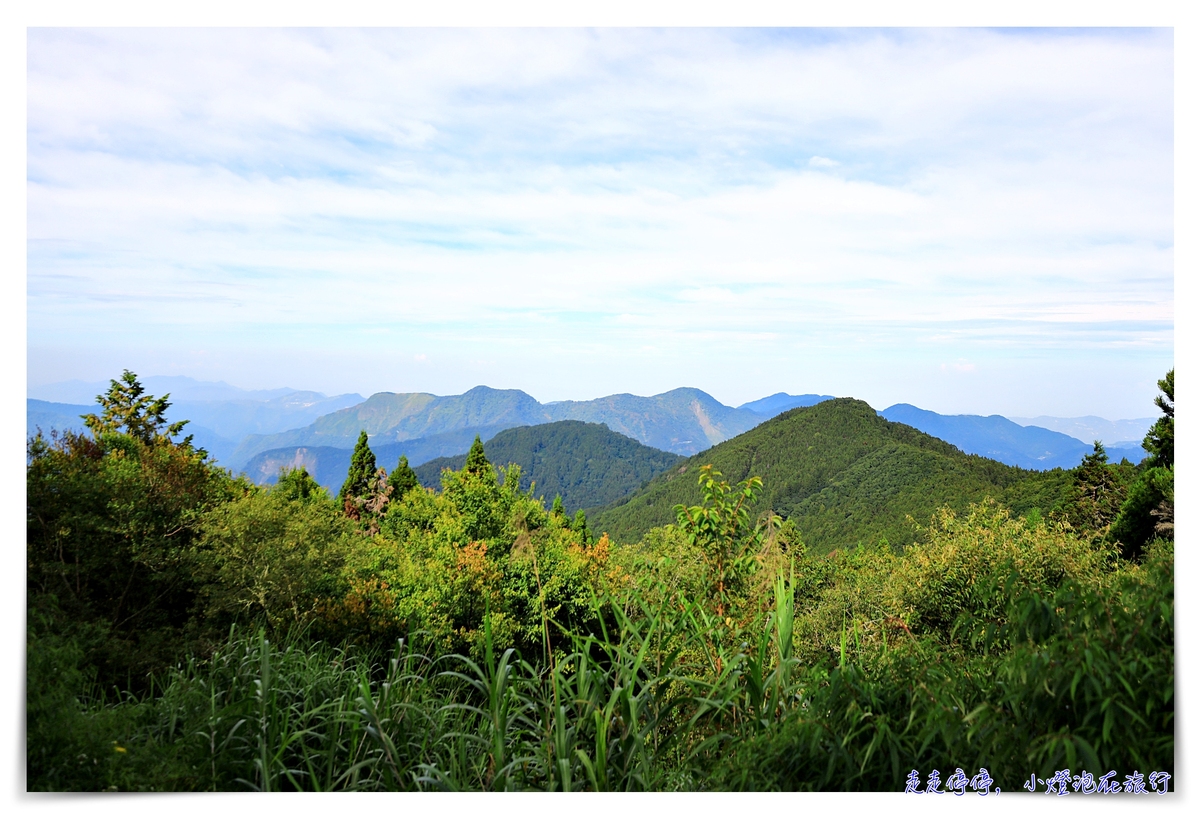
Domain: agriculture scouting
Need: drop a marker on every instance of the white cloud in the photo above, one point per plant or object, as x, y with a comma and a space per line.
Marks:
589, 192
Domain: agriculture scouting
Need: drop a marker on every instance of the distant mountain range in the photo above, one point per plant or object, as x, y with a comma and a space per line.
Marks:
259, 431
996, 437
62, 417
219, 415
585, 463
1114, 433
684, 421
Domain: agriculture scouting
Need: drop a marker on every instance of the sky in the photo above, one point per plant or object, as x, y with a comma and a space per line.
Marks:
968, 220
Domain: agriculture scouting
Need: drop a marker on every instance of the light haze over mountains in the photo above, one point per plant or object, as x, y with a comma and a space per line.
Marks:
261, 431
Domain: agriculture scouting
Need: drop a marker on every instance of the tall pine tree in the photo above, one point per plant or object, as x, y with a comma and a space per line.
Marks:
402, 478
476, 461
1096, 495
1149, 508
1160, 440
362, 469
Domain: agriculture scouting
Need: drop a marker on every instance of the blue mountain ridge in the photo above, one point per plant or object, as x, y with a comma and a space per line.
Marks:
998, 438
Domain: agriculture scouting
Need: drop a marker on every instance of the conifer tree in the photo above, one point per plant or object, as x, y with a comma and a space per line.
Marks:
362, 469
297, 484
1160, 440
1097, 493
557, 507
580, 525
402, 478
477, 463
1149, 507
128, 409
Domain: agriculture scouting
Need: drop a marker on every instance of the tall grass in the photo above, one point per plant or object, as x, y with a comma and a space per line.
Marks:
664, 696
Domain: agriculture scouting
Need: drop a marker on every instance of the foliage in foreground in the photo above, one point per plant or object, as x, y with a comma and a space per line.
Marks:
471, 639
1062, 683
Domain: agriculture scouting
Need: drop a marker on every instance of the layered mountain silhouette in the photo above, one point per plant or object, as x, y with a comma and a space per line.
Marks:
328, 465
1126, 434
773, 405
49, 417
260, 431
1030, 447
683, 421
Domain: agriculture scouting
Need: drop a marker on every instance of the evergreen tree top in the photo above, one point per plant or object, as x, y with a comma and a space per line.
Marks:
1160, 440
402, 478
127, 408
476, 463
362, 469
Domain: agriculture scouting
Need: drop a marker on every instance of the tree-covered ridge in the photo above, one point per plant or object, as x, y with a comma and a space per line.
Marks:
586, 464
843, 475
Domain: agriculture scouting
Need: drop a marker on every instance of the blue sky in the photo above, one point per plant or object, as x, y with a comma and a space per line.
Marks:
968, 220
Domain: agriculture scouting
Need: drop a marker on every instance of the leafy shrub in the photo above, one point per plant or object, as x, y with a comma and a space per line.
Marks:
972, 565
272, 554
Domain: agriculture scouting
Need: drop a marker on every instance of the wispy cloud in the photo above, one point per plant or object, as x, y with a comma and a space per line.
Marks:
477, 191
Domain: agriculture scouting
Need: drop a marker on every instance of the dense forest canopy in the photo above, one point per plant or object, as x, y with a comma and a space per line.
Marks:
828, 601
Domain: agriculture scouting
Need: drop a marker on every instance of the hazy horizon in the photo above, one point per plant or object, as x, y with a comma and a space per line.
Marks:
46, 389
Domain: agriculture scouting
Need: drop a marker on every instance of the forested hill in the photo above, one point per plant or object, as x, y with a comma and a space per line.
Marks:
585, 463
842, 474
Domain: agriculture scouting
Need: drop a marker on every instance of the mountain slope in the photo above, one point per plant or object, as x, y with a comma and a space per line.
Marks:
842, 473
586, 463
327, 465
390, 417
